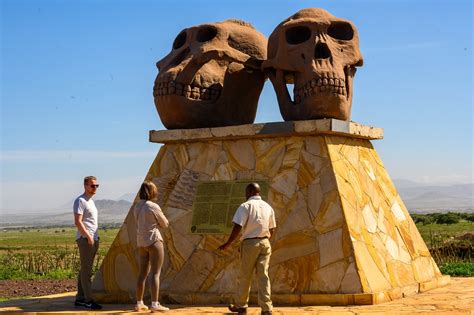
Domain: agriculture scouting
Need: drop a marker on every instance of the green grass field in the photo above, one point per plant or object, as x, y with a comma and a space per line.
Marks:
45, 253
433, 231
52, 252
43, 238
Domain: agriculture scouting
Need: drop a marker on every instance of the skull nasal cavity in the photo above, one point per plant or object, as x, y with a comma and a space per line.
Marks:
322, 51
206, 33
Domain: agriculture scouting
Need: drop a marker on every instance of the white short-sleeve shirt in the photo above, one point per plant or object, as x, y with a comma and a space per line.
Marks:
86, 206
256, 217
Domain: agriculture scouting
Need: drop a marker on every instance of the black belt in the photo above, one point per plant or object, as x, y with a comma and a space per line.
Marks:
256, 238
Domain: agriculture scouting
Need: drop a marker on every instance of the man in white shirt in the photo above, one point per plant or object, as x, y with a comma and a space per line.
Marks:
257, 220
87, 239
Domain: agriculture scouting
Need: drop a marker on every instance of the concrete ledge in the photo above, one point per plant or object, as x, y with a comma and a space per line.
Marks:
277, 299
192, 298
268, 130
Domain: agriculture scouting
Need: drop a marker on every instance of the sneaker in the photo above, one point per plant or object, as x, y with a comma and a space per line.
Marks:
91, 305
141, 308
79, 303
235, 309
158, 308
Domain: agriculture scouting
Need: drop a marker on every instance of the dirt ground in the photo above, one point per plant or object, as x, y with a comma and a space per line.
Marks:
20, 288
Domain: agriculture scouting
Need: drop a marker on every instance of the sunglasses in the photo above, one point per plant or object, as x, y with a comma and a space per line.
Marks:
94, 186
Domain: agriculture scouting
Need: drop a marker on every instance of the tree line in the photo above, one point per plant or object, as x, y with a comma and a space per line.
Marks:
442, 218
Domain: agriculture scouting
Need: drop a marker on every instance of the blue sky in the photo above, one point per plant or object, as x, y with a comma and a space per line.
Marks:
77, 78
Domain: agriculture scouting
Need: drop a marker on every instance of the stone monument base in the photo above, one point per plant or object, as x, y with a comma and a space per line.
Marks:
343, 234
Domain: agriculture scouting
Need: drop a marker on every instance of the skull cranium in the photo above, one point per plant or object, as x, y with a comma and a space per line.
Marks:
318, 53
211, 77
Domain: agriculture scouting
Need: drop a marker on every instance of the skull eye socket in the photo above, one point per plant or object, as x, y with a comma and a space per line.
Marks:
297, 35
179, 40
341, 30
206, 34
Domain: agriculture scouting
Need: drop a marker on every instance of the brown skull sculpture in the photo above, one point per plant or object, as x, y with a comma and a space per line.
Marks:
318, 53
212, 76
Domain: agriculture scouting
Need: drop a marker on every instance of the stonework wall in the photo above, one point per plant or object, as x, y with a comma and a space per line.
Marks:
390, 252
342, 227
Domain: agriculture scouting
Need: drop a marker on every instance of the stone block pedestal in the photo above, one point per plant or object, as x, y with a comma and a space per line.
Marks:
344, 235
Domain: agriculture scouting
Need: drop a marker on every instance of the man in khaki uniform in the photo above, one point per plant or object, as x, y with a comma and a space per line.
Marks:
257, 220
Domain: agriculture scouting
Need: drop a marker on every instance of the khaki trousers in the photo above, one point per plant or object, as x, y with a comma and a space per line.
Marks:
254, 255
84, 280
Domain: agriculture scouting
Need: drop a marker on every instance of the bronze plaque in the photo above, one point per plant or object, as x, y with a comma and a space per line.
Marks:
215, 203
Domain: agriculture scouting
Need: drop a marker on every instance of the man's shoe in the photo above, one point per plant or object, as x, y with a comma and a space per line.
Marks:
240, 310
91, 305
266, 313
158, 308
79, 303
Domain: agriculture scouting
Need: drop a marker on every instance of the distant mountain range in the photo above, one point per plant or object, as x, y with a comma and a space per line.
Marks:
417, 197
421, 198
110, 211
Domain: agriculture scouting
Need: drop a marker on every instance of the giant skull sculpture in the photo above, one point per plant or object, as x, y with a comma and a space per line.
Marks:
318, 53
211, 77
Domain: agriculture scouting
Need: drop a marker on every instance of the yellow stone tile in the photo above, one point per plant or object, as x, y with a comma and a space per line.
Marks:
315, 145
241, 153
381, 297
324, 299
347, 248
329, 217
154, 170
292, 153
206, 161
392, 273
375, 278
307, 171
181, 156
403, 272
278, 201
167, 164
270, 158
224, 172
363, 299
351, 281
286, 182
293, 275
263, 146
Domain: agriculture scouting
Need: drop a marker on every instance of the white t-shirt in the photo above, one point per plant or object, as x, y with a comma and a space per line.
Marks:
256, 217
86, 207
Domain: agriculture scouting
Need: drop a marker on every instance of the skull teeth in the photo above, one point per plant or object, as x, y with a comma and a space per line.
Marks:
189, 91
318, 85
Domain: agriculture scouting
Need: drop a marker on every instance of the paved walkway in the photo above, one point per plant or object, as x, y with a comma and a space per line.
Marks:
456, 298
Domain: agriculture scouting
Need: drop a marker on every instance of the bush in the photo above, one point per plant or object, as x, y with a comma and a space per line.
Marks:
422, 218
458, 269
448, 218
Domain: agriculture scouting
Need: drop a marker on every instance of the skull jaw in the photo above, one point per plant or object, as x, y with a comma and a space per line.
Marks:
325, 106
319, 102
178, 112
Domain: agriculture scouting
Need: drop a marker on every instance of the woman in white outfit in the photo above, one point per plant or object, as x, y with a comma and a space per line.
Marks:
149, 217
